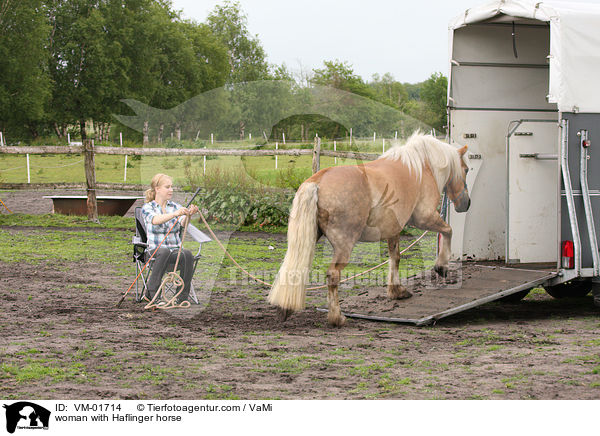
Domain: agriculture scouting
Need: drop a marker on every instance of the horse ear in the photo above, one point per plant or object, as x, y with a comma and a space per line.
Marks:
462, 150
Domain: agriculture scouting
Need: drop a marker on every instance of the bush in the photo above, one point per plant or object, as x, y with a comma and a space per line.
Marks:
234, 206
235, 197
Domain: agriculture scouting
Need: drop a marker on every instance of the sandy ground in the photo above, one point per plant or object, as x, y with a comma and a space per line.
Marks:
62, 337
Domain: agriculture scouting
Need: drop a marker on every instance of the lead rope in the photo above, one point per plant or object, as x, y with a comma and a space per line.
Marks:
175, 280
308, 289
5, 206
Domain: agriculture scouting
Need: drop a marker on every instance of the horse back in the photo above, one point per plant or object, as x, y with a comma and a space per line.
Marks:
375, 199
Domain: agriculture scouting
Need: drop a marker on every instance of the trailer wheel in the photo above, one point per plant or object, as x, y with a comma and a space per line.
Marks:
575, 288
516, 297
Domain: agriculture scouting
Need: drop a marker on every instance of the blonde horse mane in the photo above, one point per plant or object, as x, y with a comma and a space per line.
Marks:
420, 150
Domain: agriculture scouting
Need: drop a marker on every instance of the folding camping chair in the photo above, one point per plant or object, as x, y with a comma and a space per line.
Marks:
141, 253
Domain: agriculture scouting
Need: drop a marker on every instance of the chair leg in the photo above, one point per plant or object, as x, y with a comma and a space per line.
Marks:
137, 272
139, 295
193, 294
192, 291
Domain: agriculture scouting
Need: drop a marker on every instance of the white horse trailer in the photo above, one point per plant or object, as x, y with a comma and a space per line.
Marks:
524, 94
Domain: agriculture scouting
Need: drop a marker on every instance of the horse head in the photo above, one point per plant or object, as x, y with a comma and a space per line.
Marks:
456, 188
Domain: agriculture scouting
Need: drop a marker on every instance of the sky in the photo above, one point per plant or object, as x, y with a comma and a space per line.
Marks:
407, 38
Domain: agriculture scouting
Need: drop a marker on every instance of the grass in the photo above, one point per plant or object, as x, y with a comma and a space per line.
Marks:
41, 369
174, 345
110, 169
63, 246
58, 220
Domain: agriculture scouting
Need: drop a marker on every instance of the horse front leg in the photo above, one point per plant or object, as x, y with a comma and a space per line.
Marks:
395, 290
436, 224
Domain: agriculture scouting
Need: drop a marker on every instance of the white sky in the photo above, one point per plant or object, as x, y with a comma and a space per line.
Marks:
407, 38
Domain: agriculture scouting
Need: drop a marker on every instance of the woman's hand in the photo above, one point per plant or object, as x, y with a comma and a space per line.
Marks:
187, 211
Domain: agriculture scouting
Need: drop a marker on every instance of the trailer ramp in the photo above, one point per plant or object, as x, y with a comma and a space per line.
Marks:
468, 285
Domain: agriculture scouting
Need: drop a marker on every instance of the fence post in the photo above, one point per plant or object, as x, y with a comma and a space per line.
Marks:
334, 149
28, 173
283, 134
276, 147
316, 163
350, 136
125, 171
90, 179
1, 139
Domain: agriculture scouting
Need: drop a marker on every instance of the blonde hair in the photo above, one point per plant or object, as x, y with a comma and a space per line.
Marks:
156, 181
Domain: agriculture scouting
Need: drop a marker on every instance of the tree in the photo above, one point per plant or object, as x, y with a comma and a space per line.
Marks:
246, 61
340, 75
24, 80
433, 94
388, 91
86, 63
246, 54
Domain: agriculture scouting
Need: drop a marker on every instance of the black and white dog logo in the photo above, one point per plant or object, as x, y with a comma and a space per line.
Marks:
26, 415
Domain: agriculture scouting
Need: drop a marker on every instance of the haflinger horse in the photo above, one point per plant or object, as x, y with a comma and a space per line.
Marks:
370, 202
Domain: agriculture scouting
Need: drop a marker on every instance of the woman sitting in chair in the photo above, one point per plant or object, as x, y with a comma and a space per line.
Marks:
159, 214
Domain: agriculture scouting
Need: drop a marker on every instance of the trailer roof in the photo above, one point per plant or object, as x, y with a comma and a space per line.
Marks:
574, 56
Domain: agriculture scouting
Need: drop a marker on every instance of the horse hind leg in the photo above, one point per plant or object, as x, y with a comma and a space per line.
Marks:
395, 290
341, 256
283, 314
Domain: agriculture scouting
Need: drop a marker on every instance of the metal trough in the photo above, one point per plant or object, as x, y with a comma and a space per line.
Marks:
77, 204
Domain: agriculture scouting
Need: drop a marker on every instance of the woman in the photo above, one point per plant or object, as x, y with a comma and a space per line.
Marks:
159, 214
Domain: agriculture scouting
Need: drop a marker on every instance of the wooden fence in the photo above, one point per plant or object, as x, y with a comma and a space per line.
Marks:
89, 151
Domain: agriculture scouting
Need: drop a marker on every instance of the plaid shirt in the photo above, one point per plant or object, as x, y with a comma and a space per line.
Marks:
156, 232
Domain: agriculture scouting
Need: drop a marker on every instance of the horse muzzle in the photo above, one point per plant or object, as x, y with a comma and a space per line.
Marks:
463, 205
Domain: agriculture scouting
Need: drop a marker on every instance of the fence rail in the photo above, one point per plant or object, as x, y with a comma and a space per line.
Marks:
89, 151
125, 151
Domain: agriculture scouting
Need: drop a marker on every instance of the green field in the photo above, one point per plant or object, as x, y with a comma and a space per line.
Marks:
140, 169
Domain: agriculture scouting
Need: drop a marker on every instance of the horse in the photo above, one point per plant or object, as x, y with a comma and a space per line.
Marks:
371, 201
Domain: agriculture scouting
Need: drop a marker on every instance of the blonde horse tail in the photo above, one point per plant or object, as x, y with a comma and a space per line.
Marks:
289, 289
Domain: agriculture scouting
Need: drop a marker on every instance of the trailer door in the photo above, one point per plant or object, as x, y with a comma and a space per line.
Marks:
532, 192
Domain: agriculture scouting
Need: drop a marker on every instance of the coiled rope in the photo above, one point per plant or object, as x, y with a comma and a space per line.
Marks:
173, 279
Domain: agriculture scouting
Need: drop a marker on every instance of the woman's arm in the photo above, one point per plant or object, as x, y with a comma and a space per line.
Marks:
164, 217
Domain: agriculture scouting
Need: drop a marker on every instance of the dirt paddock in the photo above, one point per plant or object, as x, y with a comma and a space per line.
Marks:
62, 337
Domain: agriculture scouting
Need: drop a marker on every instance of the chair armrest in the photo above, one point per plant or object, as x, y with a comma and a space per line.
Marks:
136, 240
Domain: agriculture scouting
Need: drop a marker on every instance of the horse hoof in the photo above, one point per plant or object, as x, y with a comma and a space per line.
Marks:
283, 314
398, 292
442, 271
337, 321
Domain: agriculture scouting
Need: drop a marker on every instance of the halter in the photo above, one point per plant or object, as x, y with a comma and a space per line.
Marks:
462, 192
